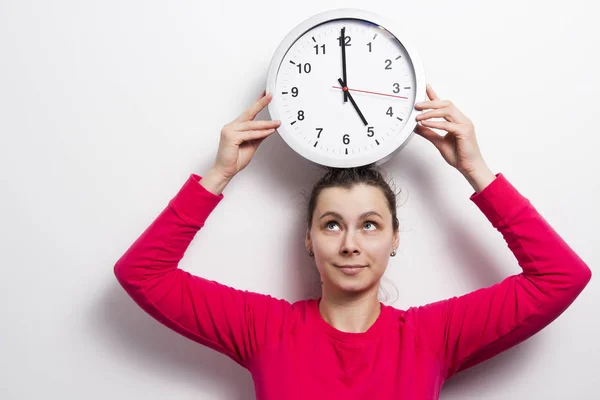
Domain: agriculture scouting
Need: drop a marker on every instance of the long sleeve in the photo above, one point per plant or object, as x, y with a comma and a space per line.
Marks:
231, 321
466, 330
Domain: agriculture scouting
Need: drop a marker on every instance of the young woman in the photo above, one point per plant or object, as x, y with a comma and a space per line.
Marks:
346, 344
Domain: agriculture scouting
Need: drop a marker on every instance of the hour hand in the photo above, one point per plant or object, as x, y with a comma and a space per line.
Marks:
345, 88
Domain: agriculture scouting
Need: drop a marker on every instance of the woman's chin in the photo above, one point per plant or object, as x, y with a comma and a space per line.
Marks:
354, 284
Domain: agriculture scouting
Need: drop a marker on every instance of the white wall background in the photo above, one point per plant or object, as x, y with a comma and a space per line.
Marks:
107, 107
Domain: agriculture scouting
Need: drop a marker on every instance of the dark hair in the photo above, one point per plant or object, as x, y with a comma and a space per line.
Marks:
347, 178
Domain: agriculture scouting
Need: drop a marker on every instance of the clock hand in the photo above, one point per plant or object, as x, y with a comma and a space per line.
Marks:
343, 43
366, 91
352, 101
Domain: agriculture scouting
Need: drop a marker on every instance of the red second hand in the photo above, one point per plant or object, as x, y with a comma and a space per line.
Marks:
365, 91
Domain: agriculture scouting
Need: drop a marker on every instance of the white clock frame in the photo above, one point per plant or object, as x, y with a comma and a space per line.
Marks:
382, 153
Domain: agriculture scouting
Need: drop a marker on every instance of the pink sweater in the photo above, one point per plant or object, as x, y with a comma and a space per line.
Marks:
292, 353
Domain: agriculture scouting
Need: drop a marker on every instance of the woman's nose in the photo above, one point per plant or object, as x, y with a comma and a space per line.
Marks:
349, 243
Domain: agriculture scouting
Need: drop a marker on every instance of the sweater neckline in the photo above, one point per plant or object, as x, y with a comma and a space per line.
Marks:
349, 337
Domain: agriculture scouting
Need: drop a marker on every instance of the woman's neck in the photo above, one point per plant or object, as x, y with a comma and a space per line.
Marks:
350, 314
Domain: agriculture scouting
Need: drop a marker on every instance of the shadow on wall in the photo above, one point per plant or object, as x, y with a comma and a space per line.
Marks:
149, 347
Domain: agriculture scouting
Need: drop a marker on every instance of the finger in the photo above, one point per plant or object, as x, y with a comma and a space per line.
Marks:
444, 125
430, 93
262, 94
250, 113
256, 125
431, 104
247, 136
439, 113
260, 103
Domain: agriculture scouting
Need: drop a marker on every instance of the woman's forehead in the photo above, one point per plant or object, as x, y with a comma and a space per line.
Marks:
358, 199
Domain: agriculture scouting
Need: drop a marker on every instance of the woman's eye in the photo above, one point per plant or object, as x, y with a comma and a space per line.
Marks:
366, 224
371, 223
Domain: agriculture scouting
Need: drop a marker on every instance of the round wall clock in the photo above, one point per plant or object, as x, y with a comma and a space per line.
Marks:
344, 86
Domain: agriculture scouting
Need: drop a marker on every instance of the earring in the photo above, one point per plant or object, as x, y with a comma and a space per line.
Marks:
393, 253
310, 253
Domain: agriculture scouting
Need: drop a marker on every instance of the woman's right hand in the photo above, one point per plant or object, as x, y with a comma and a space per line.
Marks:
241, 137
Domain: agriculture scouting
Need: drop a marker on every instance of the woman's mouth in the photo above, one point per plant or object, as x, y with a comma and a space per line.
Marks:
351, 269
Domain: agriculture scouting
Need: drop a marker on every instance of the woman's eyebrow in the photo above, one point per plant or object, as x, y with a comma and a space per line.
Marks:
363, 215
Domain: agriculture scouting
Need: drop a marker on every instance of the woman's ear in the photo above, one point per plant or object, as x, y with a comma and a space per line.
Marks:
307, 241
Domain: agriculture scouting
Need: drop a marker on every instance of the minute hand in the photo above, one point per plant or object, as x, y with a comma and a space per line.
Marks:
352, 101
343, 46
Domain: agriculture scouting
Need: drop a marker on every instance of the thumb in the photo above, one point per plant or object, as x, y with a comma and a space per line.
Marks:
257, 142
430, 135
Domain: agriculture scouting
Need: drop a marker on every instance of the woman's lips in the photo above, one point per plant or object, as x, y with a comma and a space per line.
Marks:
351, 270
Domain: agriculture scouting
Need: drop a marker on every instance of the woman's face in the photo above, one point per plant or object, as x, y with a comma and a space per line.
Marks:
351, 227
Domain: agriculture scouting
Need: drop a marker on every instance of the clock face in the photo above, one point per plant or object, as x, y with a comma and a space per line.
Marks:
348, 115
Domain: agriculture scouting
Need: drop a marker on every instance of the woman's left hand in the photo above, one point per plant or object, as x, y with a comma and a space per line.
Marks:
459, 146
